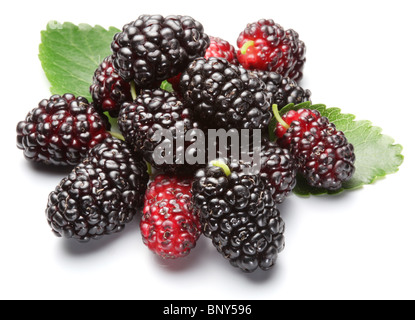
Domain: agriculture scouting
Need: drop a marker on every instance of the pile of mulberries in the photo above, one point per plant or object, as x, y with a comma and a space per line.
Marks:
181, 102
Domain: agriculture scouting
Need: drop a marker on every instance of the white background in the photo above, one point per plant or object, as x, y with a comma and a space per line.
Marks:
359, 245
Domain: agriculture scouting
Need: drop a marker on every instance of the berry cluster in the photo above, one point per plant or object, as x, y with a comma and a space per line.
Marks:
157, 166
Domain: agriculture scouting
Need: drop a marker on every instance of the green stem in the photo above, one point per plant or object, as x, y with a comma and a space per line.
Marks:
223, 166
149, 169
278, 117
246, 45
117, 135
133, 90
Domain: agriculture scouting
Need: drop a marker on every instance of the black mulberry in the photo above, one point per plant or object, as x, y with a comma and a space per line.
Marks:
154, 48
61, 130
238, 213
100, 195
223, 95
282, 89
108, 90
158, 118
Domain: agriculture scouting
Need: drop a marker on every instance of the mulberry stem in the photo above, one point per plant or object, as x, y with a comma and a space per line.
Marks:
133, 90
223, 166
278, 117
149, 169
246, 45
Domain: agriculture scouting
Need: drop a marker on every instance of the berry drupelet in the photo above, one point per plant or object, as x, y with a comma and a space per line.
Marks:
276, 165
158, 118
218, 48
61, 130
324, 156
265, 45
221, 48
100, 195
223, 95
108, 90
238, 213
282, 89
154, 48
169, 227
279, 168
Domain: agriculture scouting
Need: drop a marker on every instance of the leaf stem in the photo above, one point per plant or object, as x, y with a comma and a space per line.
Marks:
278, 117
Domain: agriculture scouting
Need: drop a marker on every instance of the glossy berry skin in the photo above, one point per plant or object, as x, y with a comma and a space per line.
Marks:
140, 123
239, 214
168, 226
283, 89
61, 130
324, 156
108, 90
273, 49
226, 96
218, 48
101, 195
154, 48
279, 168
221, 48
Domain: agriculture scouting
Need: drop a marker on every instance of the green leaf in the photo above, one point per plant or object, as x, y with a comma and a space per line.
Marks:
70, 55
165, 85
376, 154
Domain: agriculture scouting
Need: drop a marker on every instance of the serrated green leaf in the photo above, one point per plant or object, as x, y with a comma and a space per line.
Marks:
376, 154
70, 54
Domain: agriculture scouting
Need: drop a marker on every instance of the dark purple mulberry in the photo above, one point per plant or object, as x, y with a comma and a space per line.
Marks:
100, 195
61, 130
226, 96
238, 213
154, 48
158, 118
